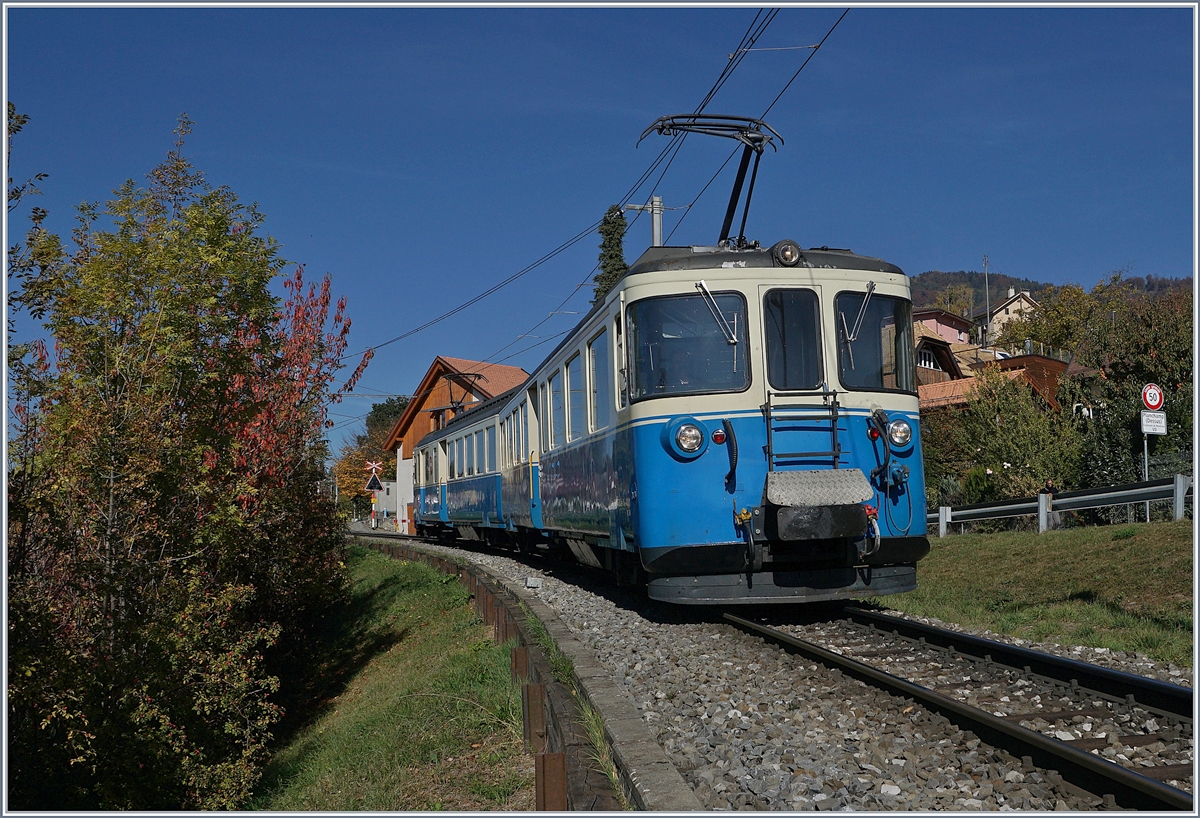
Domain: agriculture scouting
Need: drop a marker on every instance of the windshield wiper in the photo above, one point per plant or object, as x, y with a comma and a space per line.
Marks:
730, 336
851, 337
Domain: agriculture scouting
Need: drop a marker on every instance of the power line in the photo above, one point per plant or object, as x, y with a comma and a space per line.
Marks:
747, 41
753, 32
814, 49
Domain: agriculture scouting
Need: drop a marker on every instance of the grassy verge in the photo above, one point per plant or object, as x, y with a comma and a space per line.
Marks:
420, 712
1125, 588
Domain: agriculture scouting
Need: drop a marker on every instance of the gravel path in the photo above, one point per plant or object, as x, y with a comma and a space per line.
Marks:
751, 727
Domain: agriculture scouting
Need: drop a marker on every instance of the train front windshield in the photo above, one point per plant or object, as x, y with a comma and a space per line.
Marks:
875, 349
687, 345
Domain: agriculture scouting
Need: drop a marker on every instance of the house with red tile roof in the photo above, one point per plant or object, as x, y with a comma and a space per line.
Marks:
450, 386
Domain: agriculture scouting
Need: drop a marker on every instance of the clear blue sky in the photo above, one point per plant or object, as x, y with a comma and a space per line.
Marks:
421, 156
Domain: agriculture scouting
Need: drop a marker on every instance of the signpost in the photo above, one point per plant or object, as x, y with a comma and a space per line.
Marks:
373, 485
1154, 422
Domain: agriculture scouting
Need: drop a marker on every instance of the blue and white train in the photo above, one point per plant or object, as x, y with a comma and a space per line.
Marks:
732, 425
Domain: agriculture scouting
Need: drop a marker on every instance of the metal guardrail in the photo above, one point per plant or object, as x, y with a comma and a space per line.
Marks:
1178, 489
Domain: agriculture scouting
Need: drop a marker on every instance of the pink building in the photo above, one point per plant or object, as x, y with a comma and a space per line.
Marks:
954, 328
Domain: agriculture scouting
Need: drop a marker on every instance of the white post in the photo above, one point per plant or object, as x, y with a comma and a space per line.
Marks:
1146, 467
943, 520
1182, 484
1043, 512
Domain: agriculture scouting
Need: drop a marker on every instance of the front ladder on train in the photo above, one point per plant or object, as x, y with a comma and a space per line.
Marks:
801, 422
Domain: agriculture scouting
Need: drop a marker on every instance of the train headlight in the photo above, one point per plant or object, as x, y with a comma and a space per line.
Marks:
684, 438
786, 252
899, 432
689, 438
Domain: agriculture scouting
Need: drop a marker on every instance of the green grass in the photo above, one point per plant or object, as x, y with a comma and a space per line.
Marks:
1125, 588
419, 713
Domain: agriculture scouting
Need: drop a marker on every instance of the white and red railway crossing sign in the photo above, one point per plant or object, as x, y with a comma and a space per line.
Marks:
1153, 397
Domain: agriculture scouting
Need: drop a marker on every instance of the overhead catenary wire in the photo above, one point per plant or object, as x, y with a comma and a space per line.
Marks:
753, 32
814, 49
667, 154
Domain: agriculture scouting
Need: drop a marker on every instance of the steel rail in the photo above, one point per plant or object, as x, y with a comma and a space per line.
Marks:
1163, 696
1092, 773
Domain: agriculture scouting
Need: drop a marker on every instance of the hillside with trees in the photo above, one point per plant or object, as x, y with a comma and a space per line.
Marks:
930, 287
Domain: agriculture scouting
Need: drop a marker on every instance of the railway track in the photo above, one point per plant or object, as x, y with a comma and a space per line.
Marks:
1083, 722
747, 728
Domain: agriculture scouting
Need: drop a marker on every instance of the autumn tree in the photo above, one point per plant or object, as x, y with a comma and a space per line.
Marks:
612, 252
166, 546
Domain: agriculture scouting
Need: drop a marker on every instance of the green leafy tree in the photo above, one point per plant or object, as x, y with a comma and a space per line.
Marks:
1071, 318
1017, 438
612, 252
167, 550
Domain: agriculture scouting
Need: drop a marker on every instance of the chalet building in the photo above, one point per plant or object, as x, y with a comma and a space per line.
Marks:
450, 386
1012, 307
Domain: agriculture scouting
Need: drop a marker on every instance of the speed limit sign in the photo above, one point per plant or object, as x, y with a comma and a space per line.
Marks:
1153, 397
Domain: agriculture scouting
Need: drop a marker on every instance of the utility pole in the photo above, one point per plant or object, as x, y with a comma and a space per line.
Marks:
987, 304
656, 211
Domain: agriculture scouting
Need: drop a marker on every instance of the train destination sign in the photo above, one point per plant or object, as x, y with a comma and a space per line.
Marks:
1154, 423
1153, 397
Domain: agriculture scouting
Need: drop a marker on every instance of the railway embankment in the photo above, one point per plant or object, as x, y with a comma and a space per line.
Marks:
747, 727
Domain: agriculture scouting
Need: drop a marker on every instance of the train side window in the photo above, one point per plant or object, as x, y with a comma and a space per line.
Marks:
557, 411
576, 423
792, 321
470, 458
522, 425
544, 417
453, 449
490, 451
480, 454
600, 373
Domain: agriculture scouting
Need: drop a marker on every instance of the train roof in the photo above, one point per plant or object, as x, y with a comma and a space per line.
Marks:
657, 259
